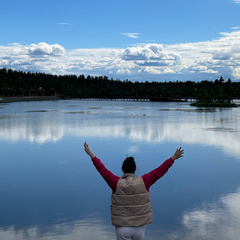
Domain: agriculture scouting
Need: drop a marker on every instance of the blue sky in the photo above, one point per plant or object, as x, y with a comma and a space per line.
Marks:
144, 40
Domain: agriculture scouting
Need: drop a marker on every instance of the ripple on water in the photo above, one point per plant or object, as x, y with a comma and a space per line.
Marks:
188, 110
79, 112
30, 111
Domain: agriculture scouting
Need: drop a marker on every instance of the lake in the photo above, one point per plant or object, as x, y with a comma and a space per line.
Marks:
49, 188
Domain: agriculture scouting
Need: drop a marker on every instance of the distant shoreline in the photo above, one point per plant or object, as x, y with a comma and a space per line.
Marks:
44, 98
210, 104
54, 98
25, 99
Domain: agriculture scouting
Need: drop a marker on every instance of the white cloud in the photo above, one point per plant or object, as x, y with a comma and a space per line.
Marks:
168, 70
46, 49
149, 52
236, 1
64, 23
236, 72
150, 57
131, 35
187, 61
150, 70
121, 71
235, 28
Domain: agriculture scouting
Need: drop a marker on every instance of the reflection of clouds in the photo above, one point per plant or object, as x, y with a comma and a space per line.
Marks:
232, 202
133, 149
44, 134
219, 129
87, 229
185, 132
35, 130
217, 221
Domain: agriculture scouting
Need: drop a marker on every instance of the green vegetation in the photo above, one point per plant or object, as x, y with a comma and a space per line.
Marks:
18, 83
216, 94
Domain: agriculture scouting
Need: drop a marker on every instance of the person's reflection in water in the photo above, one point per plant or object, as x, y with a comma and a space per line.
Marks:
131, 207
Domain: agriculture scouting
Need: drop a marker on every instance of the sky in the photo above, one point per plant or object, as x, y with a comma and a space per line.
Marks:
135, 40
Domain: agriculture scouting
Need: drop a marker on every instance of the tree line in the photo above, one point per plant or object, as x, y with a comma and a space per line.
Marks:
19, 83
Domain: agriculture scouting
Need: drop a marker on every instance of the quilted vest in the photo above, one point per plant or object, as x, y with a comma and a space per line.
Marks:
131, 203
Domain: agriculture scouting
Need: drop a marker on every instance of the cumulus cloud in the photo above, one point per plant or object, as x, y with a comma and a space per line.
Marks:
122, 71
149, 52
150, 70
41, 57
186, 61
46, 49
219, 56
151, 55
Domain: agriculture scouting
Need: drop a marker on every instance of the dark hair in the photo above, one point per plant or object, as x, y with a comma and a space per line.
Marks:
129, 165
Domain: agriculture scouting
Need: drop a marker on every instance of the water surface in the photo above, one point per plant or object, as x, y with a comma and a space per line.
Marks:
50, 190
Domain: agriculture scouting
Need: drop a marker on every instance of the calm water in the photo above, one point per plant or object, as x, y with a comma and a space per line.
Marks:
49, 188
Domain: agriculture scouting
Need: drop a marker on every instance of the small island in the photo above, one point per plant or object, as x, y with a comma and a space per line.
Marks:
215, 95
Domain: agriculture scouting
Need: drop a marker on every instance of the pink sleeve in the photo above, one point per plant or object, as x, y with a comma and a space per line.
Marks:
151, 177
108, 176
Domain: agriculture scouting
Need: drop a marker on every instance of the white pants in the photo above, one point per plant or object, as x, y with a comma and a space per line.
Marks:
130, 233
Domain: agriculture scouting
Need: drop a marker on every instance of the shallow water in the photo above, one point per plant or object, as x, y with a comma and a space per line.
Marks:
50, 190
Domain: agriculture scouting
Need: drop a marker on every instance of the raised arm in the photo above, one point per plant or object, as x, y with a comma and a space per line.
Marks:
108, 176
88, 151
151, 177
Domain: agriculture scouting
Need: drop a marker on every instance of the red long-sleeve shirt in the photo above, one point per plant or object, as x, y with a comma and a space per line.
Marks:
149, 178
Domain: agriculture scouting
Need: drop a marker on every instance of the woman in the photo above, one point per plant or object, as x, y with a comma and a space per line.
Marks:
131, 207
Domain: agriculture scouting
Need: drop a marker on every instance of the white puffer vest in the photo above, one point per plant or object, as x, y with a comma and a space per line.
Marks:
131, 203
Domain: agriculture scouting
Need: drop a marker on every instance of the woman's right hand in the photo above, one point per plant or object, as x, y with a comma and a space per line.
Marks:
178, 154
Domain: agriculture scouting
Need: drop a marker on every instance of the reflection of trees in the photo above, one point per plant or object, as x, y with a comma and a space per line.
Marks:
13, 83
